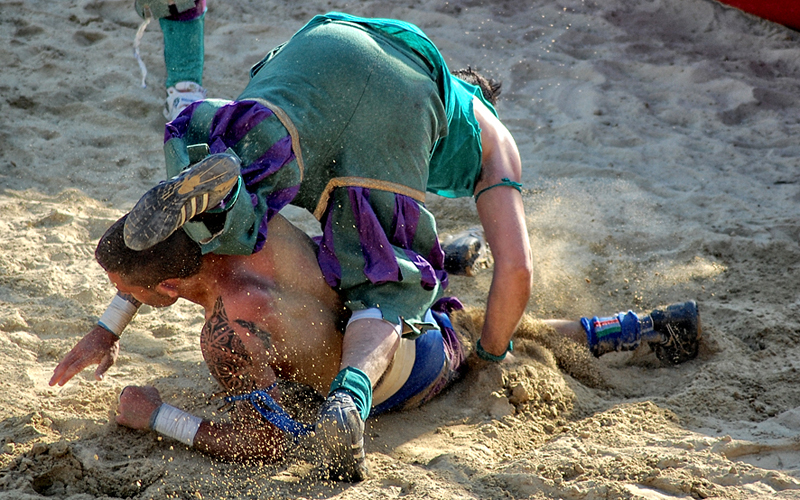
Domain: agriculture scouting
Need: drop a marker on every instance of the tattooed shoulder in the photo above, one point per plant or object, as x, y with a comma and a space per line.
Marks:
219, 321
264, 335
226, 355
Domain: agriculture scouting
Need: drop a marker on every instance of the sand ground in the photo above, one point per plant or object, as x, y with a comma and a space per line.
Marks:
659, 142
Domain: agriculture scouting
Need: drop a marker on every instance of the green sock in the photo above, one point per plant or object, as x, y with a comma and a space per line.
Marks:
357, 383
184, 51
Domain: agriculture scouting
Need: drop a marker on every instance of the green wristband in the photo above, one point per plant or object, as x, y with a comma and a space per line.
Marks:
491, 357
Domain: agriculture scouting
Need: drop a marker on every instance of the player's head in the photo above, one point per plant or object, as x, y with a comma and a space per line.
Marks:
490, 88
176, 257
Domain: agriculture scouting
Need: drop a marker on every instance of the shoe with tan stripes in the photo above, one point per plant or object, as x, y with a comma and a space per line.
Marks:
170, 204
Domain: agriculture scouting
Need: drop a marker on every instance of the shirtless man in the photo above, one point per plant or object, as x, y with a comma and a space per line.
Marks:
271, 315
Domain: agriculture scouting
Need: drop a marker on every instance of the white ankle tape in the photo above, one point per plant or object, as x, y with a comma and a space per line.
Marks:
175, 423
118, 314
373, 313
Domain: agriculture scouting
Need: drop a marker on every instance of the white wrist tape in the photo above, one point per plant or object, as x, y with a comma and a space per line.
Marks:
118, 314
176, 423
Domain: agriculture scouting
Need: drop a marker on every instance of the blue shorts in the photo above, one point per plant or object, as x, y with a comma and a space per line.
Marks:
439, 361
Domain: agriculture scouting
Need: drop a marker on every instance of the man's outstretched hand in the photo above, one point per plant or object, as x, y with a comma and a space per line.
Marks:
99, 347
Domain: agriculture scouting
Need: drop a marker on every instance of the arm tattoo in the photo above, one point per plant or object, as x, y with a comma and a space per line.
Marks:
225, 354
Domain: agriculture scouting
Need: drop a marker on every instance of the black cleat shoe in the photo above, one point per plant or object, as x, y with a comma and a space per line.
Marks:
340, 434
681, 329
170, 204
465, 253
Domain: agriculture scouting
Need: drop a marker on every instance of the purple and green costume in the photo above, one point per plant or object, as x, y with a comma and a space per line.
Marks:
354, 120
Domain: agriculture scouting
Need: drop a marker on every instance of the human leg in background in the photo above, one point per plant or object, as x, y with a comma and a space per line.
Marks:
182, 23
673, 332
184, 54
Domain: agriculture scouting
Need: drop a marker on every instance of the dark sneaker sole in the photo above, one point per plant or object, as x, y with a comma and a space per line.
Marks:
348, 465
341, 433
169, 205
466, 253
682, 328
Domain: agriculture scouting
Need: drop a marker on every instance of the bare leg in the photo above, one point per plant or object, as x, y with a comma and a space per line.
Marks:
572, 330
673, 332
369, 345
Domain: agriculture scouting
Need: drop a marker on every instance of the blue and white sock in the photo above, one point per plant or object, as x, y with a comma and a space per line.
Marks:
622, 332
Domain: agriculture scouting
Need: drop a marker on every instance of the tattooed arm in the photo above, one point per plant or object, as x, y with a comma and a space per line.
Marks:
236, 353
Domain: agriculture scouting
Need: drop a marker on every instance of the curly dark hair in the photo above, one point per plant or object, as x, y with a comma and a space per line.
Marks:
176, 257
490, 88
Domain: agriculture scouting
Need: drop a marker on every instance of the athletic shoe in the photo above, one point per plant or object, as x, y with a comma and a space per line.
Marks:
340, 435
465, 253
170, 204
681, 329
180, 96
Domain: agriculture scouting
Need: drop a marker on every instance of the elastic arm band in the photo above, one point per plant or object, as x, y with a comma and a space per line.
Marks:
119, 313
505, 181
483, 354
175, 423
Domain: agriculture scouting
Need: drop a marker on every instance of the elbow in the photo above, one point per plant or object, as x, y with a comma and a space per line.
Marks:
517, 275
524, 273
521, 264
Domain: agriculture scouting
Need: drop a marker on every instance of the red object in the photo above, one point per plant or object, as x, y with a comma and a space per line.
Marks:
786, 12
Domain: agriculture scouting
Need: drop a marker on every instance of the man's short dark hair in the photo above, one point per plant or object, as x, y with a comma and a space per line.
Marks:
176, 257
490, 88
